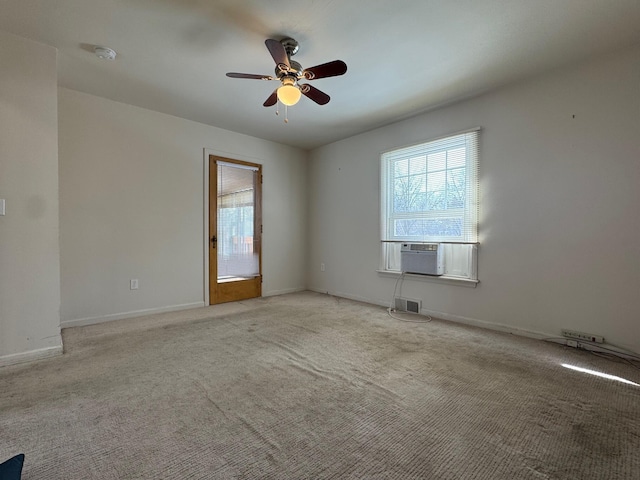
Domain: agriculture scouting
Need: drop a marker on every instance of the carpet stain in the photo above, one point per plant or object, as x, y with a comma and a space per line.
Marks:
308, 386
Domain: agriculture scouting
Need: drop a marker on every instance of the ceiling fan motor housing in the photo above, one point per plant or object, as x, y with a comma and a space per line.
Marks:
290, 46
295, 70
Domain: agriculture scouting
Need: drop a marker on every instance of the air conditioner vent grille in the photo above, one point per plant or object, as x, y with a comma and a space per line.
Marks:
423, 247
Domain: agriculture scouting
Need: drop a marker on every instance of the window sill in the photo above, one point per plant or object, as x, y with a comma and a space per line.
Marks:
443, 279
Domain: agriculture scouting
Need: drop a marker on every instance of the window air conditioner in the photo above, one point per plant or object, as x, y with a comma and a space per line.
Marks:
422, 258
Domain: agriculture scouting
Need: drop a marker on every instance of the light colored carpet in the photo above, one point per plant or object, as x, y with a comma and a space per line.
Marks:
307, 386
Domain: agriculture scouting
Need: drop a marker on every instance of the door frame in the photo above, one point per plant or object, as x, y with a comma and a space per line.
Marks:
206, 202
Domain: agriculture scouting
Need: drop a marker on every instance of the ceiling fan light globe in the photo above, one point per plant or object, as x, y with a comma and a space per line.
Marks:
289, 95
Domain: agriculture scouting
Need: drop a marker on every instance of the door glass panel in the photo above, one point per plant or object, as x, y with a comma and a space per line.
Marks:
236, 224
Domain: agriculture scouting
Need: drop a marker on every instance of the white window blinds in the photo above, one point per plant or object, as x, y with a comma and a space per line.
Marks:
236, 221
430, 191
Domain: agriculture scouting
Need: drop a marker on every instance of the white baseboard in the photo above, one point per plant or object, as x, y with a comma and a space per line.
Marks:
81, 322
273, 293
319, 290
30, 356
358, 298
450, 317
348, 296
499, 327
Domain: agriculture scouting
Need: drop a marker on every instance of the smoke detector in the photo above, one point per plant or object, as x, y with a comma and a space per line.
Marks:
105, 53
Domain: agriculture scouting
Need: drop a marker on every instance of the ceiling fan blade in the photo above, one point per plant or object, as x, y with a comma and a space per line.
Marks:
279, 54
330, 69
271, 101
250, 76
314, 94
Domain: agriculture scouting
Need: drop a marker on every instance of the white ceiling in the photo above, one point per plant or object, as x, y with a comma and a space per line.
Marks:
404, 56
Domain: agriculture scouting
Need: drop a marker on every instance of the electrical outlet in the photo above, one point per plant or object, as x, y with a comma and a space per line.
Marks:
133, 284
322, 267
582, 336
572, 343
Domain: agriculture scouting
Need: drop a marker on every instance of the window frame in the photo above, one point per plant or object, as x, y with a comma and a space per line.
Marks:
465, 247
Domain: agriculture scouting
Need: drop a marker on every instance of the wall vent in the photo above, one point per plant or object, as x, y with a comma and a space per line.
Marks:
407, 305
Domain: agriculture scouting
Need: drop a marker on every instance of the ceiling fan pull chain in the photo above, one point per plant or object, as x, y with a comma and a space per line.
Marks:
286, 114
277, 108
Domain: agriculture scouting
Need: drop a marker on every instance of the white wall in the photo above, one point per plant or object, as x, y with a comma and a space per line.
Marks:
560, 205
29, 249
132, 206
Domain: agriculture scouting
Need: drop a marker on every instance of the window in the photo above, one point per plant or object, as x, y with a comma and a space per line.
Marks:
430, 194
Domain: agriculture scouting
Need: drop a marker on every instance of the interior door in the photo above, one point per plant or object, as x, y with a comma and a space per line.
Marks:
235, 230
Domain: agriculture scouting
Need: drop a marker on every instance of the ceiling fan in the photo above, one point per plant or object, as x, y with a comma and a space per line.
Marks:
290, 73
